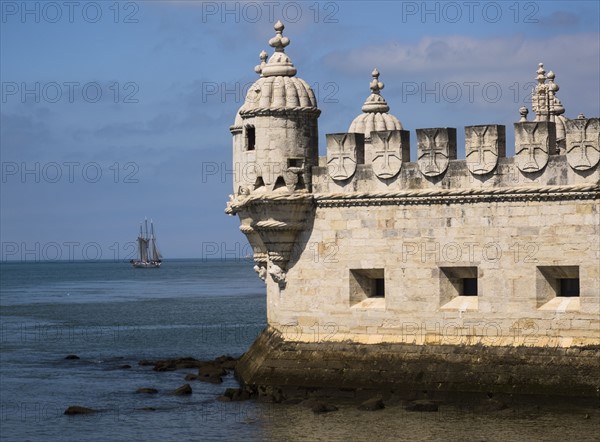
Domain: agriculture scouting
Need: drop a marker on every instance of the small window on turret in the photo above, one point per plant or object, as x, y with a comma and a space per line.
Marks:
250, 138
295, 162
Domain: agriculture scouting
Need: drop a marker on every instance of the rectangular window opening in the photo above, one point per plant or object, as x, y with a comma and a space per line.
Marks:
250, 138
379, 291
459, 288
558, 288
569, 287
295, 162
367, 288
469, 287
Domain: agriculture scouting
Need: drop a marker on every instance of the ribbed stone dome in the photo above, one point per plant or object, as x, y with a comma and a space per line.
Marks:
367, 123
279, 93
277, 89
375, 114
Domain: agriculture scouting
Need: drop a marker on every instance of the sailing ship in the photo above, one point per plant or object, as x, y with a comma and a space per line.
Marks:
148, 254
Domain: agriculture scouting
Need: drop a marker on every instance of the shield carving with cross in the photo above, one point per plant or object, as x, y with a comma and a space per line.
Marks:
436, 147
583, 143
483, 145
389, 148
344, 152
534, 142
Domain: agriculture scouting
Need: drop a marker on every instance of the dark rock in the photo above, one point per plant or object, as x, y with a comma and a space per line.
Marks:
72, 357
421, 405
322, 407
491, 405
76, 409
124, 366
219, 364
190, 377
211, 370
183, 390
147, 390
213, 379
224, 398
372, 404
226, 362
237, 394
148, 409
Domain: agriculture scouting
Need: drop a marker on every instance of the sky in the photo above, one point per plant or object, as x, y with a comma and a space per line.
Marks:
112, 112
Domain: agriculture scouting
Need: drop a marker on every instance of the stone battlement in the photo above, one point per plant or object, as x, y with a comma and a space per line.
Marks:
381, 162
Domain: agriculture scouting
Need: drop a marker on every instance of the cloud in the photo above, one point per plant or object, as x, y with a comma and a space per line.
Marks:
458, 53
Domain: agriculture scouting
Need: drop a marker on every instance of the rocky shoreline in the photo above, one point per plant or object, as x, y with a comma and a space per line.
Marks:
324, 400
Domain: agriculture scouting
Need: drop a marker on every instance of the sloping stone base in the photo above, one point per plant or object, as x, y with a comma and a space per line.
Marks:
272, 363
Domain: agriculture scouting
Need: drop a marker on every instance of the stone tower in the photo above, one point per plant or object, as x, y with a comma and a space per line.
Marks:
275, 134
275, 146
436, 273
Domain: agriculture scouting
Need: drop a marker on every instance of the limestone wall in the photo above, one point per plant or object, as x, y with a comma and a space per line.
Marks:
518, 234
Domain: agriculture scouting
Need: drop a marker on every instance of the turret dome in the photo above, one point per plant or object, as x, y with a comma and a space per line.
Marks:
375, 116
277, 89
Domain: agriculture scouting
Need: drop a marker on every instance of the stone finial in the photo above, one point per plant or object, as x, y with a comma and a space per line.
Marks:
545, 103
523, 111
279, 42
376, 85
541, 74
263, 61
375, 102
279, 64
581, 116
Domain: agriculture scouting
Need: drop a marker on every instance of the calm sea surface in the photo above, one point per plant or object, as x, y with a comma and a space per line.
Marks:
110, 315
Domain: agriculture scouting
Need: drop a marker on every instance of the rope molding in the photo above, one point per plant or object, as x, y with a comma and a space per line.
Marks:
278, 225
461, 192
262, 111
578, 191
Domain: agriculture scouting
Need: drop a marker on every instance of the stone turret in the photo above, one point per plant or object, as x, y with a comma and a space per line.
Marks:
275, 134
275, 146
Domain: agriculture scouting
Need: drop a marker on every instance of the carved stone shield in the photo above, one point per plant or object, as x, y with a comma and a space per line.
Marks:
389, 148
583, 143
483, 145
344, 152
534, 142
436, 147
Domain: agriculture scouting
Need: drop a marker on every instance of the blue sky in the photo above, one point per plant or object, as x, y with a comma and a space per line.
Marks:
114, 111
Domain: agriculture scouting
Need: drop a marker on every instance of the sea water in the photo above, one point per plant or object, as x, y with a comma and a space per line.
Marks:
112, 316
